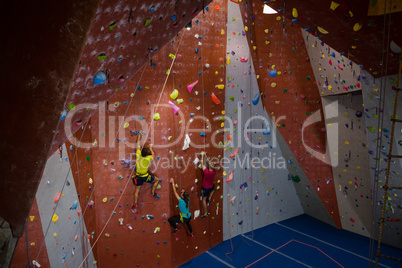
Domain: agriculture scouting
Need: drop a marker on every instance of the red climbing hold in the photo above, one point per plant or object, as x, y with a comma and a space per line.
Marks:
57, 197
215, 99
230, 177
235, 152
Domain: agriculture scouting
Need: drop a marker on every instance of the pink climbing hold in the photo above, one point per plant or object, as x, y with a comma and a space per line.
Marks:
330, 62
358, 84
174, 107
340, 67
345, 88
302, 96
235, 122
243, 59
190, 87
352, 220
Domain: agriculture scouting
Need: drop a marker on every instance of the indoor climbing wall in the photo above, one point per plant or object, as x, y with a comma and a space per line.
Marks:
333, 71
346, 132
61, 214
257, 189
338, 80
124, 36
378, 137
194, 62
286, 78
31, 243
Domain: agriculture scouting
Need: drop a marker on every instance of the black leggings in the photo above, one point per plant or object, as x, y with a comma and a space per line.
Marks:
176, 219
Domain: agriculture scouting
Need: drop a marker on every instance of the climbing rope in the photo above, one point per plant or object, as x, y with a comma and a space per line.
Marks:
146, 135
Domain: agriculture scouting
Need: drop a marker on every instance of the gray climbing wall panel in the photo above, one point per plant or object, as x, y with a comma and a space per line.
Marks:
334, 73
62, 246
260, 192
348, 151
378, 137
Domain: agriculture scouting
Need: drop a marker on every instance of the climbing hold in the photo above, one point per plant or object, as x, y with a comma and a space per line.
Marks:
235, 152
273, 73
99, 78
357, 27
217, 8
174, 107
74, 206
295, 13
63, 115
71, 106
202, 134
243, 59
126, 125
256, 98
174, 94
57, 197
220, 86
230, 177
190, 87
295, 178
334, 5
157, 116
186, 143
215, 99
55, 217
321, 30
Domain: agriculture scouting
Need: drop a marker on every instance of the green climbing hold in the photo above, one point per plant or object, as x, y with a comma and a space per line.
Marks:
285, 90
71, 106
111, 26
147, 21
221, 118
400, 142
235, 111
231, 98
101, 56
372, 129
283, 125
308, 78
295, 178
88, 158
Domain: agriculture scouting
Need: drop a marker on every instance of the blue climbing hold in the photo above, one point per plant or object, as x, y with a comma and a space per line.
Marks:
141, 117
273, 73
99, 78
74, 206
267, 131
139, 88
202, 134
173, 17
63, 115
333, 54
256, 98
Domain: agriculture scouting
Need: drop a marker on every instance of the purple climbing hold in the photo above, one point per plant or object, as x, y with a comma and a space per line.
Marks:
359, 114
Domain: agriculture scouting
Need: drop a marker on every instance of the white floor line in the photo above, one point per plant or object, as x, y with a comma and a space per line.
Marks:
277, 251
219, 259
294, 230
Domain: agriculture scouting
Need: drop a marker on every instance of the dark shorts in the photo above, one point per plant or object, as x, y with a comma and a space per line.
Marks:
205, 191
139, 180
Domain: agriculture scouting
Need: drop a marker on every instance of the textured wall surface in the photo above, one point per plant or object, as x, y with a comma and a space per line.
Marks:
110, 142
285, 76
334, 73
39, 76
378, 137
123, 37
261, 190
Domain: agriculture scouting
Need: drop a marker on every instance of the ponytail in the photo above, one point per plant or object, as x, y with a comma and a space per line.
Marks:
185, 198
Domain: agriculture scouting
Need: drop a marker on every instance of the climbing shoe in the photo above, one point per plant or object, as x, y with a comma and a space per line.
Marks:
175, 231
155, 195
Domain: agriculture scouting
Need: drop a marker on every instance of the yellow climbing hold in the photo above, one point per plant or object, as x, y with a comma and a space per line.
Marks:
246, 28
346, 142
334, 5
295, 13
126, 125
179, 101
227, 60
157, 116
220, 86
222, 32
104, 200
329, 87
278, 18
321, 30
273, 84
357, 27
174, 94
55, 217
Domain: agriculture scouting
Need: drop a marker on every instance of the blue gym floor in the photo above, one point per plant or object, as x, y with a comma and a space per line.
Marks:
298, 242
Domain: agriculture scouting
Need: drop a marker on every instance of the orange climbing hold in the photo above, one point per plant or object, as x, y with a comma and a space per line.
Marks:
57, 197
229, 137
235, 152
217, 8
215, 99
230, 177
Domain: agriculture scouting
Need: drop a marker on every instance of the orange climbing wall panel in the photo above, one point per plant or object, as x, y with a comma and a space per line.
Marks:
144, 245
292, 95
35, 238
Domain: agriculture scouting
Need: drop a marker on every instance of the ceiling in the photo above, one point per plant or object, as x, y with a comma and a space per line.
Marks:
364, 46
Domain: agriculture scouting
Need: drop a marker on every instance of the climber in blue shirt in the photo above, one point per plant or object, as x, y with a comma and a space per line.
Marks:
184, 215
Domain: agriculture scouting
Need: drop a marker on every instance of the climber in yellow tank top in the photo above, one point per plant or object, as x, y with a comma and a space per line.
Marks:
144, 158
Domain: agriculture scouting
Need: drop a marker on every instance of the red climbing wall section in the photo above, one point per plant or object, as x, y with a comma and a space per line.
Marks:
145, 239
277, 44
35, 237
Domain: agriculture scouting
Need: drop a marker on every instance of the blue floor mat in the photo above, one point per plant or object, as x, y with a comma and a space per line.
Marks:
298, 242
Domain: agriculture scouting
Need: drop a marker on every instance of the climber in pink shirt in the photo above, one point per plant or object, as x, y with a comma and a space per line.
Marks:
208, 186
